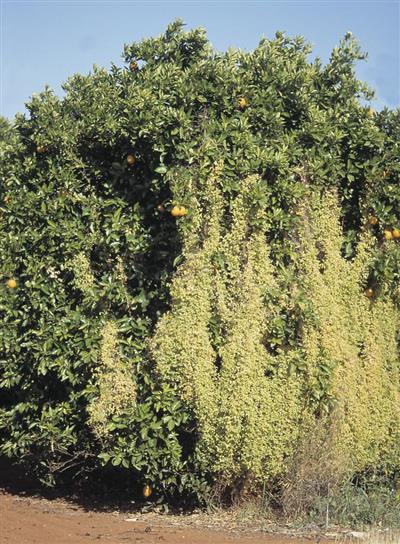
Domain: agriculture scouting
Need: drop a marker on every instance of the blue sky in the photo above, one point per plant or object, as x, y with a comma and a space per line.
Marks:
44, 42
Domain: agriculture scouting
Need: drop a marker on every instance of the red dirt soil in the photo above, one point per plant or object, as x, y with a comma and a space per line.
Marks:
35, 520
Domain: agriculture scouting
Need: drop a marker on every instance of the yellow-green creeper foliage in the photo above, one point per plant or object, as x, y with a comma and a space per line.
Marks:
115, 382
83, 276
247, 421
181, 345
258, 415
120, 271
350, 345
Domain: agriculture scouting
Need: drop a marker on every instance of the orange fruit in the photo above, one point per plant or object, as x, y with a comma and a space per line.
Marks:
178, 211
242, 102
130, 159
387, 234
369, 292
372, 220
175, 211
133, 66
396, 233
147, 491
11, 283
41, 149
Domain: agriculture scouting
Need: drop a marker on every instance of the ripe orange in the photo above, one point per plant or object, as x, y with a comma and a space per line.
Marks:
147, 491
369, 292
11, 283
175, 212
242, 102
133, 66
179, 211
130, 159
372, 220
387, 234
396, 233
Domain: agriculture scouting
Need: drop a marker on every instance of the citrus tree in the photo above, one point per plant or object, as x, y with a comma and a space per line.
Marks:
155, 229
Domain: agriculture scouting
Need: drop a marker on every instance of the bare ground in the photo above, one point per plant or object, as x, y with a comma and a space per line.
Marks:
37, 520
28, 515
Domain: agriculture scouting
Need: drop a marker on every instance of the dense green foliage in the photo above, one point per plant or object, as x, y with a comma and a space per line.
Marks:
87, 184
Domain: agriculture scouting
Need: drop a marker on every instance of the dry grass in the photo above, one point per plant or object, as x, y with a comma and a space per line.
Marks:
381, 537
316, 471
